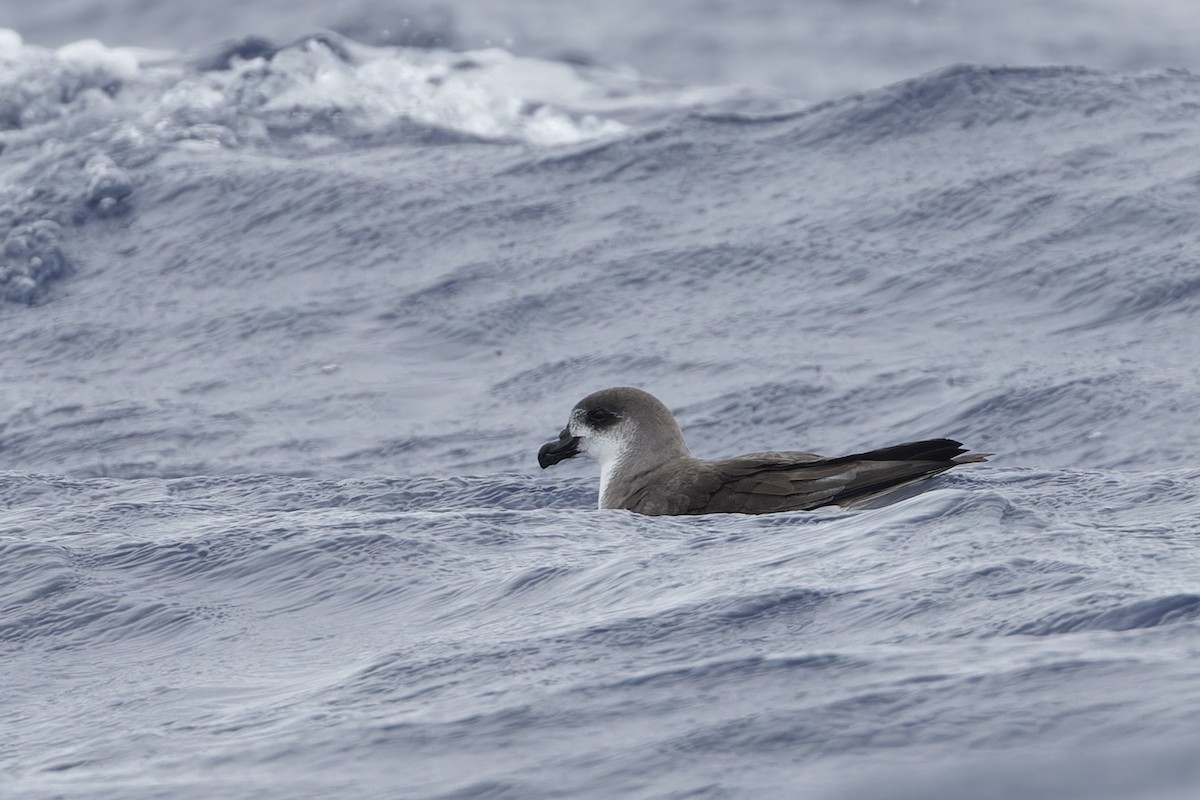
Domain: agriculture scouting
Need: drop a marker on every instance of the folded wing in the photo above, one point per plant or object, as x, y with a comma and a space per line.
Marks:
762, 483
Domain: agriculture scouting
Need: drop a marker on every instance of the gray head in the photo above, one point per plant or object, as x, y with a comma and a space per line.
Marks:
620, 426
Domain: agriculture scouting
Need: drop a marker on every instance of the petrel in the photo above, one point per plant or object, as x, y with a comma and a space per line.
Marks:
645, 465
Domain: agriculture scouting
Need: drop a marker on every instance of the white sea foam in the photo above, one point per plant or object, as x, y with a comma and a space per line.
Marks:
90, 55
11, 45
486, 94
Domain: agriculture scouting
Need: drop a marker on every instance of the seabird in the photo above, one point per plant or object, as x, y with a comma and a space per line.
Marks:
645, 465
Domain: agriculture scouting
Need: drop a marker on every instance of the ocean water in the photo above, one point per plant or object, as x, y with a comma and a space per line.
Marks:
290, 295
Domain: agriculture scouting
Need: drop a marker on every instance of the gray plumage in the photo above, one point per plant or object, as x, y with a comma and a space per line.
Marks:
645, 465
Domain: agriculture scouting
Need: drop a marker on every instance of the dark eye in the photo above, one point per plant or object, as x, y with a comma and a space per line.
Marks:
599, 416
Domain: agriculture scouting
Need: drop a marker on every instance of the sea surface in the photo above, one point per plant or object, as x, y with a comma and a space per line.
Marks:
291, 294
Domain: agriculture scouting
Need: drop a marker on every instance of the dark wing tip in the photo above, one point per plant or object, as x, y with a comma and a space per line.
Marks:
924, 450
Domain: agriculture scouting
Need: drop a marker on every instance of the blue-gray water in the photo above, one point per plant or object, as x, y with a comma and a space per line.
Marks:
281, 333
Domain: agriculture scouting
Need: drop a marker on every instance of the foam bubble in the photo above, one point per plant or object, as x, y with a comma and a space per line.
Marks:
31, 257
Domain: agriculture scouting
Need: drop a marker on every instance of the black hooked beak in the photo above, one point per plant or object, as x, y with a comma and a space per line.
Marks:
566, 447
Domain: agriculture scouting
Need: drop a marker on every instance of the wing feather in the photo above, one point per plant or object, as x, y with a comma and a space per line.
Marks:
762, 483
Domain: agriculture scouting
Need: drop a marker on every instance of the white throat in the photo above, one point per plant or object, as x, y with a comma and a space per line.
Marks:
609, 453
608, 469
